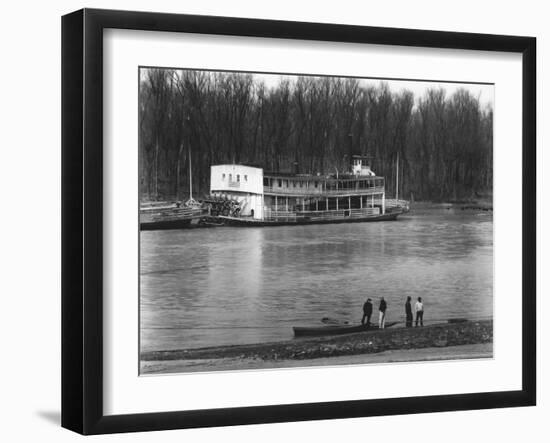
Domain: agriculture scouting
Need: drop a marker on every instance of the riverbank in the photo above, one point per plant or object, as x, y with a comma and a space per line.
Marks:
435, 342
483, 204
460, 352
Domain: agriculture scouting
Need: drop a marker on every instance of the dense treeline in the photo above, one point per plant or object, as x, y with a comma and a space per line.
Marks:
444, 142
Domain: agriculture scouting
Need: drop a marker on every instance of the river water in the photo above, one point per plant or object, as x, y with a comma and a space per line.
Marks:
227, 285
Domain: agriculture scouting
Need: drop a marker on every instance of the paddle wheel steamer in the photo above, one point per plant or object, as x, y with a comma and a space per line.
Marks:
266, 199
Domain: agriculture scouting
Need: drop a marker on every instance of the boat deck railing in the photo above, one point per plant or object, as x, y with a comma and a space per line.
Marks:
320, 215
320, 192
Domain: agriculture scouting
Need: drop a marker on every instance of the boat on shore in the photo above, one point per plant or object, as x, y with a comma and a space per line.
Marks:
311, 331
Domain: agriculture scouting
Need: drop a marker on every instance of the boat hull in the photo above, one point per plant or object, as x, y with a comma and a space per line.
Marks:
244, 222
315, 331
165, 225
169, 217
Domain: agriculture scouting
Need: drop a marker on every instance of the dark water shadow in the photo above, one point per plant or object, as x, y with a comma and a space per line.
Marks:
54, 417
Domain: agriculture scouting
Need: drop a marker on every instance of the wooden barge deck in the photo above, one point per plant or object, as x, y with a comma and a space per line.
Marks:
168, 216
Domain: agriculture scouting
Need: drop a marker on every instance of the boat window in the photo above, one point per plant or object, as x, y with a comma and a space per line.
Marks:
230, 177
246, 178
223, 176
238, 178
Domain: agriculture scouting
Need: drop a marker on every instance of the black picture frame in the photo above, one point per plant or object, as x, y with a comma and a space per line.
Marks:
82, 218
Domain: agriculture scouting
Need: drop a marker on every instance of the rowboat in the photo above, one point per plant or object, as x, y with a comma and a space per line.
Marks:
303, 331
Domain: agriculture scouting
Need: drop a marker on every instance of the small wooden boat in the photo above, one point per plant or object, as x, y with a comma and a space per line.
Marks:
310, 331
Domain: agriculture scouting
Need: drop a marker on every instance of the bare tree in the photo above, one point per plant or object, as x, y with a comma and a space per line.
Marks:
444, 143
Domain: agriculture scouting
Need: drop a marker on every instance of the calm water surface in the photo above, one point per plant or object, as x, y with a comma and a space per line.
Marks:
219, 286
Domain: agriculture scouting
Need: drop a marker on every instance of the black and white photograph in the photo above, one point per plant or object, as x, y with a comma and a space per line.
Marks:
291, 220
275, 221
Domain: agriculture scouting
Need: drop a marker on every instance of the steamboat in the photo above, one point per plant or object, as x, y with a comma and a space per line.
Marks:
243, 195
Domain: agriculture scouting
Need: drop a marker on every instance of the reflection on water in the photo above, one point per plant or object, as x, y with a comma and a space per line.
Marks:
219, 286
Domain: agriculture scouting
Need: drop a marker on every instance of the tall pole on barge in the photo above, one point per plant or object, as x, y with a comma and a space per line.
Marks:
190, 168
190, 177
397, 179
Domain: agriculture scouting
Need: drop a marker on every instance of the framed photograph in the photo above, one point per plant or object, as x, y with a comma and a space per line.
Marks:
270, 221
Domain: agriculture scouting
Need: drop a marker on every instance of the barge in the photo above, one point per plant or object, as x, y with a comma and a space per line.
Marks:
157, 216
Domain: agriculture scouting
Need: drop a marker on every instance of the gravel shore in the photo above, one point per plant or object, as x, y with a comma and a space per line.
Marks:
434, 342
461, 352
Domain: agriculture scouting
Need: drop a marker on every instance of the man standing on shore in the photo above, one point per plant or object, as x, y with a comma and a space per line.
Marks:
419, 308
408, 313
367, 312
382, 313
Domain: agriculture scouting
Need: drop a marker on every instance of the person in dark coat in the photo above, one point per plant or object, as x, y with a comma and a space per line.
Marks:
408, 313
382, 313
367, 312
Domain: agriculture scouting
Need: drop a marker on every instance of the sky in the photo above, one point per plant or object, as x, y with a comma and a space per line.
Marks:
484, 92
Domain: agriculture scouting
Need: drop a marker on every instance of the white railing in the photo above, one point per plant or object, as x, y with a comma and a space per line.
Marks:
270, 190
279, 215
320, 215
365, 211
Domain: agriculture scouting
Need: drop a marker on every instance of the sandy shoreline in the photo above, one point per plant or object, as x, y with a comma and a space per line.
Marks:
460, 352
